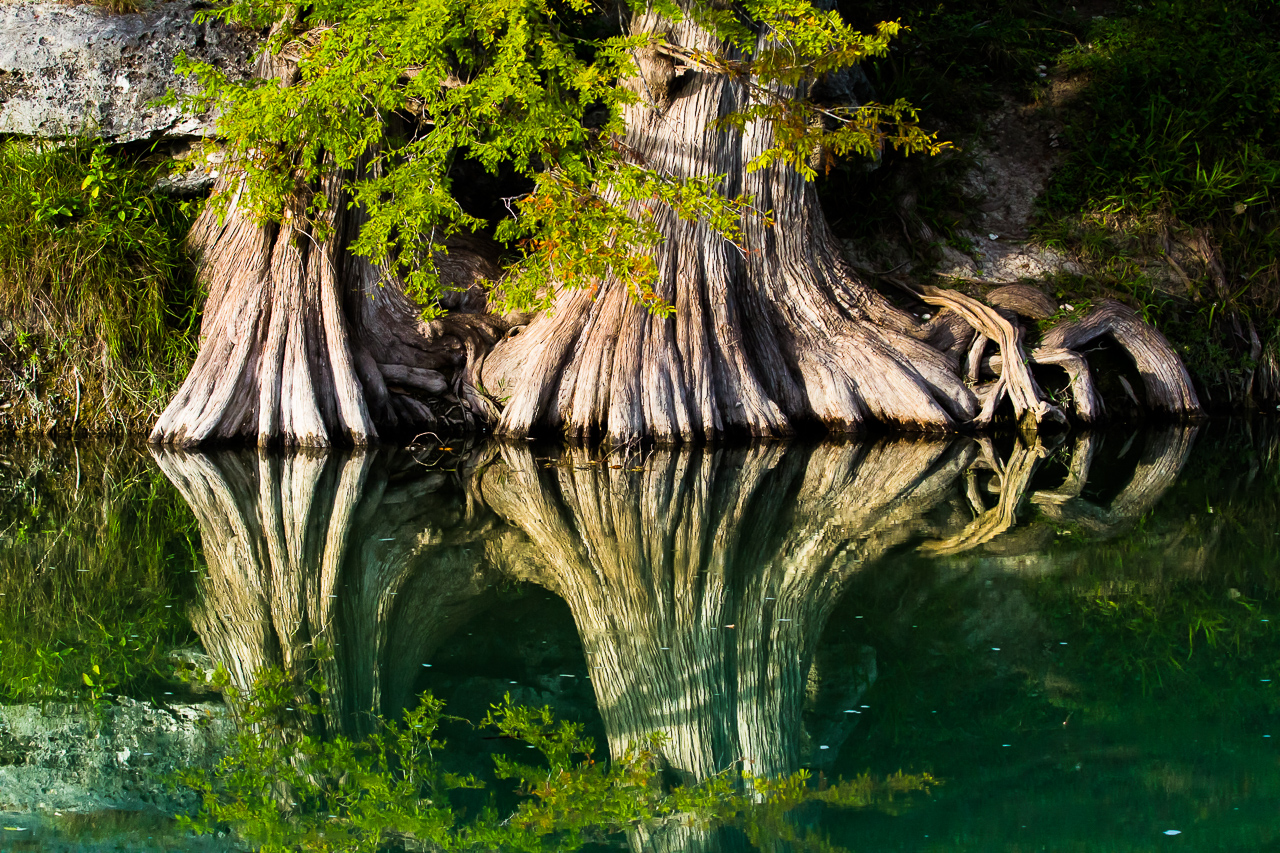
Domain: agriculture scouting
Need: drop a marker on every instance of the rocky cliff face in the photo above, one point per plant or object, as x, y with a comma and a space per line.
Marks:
81, 71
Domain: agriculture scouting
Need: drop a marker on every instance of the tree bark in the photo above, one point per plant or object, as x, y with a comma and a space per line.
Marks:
304, 344
765, 339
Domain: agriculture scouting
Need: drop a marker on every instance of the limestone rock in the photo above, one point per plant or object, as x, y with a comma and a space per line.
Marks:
78, 70
117, 756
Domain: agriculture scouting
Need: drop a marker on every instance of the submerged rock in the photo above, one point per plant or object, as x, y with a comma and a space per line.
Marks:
113, 756
82, 71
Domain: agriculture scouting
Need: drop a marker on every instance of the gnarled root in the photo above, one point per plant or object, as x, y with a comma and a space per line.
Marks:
1167, 383
1168, 387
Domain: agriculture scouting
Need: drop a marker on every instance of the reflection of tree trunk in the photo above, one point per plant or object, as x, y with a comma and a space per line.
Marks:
701, 584
353, 549
1015, 479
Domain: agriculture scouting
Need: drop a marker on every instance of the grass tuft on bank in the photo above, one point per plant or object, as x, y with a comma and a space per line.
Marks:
1174, 153
97, 295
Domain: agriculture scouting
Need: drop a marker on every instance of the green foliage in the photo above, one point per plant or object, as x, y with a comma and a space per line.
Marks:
95, 548
1177, 132
398, 93
93, 281
284, 789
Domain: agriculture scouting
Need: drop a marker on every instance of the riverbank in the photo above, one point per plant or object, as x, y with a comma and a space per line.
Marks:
1104, 150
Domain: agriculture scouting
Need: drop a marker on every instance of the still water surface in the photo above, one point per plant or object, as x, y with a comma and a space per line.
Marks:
1077, 638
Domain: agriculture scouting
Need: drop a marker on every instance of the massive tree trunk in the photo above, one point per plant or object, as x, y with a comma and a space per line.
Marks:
303, 343
352, 550
766, 338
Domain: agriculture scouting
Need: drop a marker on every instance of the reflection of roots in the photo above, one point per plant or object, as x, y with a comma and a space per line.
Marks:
1162, 459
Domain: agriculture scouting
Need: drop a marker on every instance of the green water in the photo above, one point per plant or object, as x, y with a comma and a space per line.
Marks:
1077, 638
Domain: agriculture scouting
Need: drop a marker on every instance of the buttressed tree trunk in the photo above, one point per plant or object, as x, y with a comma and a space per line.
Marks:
358, 551
303, 343
701, 584
775, 336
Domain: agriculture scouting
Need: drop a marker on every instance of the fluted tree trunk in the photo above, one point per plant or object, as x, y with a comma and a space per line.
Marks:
306, 344
764, 337
775, 333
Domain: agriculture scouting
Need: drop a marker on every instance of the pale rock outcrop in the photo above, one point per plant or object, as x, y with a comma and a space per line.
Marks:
82, 71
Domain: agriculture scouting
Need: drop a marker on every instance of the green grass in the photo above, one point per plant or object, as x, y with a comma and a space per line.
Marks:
95, 286
96, 556
1177, 133
1172, 134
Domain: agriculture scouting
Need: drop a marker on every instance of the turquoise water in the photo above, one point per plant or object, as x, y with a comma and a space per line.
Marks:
1075, 639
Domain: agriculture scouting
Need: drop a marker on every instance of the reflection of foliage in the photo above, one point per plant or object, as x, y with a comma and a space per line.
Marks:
1194, 643
88, 561
282, 789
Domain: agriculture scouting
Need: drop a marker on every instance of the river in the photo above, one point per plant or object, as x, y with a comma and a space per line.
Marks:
1074, 639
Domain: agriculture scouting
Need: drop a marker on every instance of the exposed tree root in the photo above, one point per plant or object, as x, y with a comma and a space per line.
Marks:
302, 344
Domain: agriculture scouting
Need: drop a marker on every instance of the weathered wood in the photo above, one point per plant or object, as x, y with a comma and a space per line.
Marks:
1016, 379
1166, 381
305, 344
767, 336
